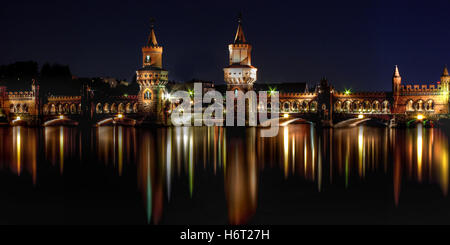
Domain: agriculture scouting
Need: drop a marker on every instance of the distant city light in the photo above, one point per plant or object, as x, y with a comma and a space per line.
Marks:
348, 91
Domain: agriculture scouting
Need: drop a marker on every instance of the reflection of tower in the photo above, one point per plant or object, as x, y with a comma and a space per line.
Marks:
241, 175
396, 83
240, 74
152, 80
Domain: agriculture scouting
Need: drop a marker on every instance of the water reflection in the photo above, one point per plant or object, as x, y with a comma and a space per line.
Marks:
18, 150
160, 159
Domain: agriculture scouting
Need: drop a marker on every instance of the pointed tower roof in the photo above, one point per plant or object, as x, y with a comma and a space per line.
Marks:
152, 37
445, 72
396, 72
240, 38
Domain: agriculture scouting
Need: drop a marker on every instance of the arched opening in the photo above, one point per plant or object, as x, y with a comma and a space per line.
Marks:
106, 108
128, 108
295, 106
429, 106
66, 109
45, 109
25, 108
98, 108
313, 106
386, 106
367, 106
12, 108
409, 105
121, 108
347, 106
376, 106
113, 108
286, 106
355, 106
419, 105
305, 106
135, 107
338, 106
73, 109
52, 109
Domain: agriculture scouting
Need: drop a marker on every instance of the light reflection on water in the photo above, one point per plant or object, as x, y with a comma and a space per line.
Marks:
161, 158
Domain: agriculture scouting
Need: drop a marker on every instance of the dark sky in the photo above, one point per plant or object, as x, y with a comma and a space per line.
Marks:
353, 43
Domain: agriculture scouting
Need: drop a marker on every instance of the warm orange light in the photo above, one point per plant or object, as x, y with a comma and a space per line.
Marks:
120, 115
420, 117
286, 115
18, 118
360, 116
61, 117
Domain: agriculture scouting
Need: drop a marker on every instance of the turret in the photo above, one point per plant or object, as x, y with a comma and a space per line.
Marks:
445, 79
240, 74
396, 81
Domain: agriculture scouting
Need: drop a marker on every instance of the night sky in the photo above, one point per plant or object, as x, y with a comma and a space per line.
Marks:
355, 44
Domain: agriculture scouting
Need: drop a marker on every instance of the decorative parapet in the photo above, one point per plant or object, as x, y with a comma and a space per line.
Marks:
63, 98
297, 95
19, 95
377, 94
421, 88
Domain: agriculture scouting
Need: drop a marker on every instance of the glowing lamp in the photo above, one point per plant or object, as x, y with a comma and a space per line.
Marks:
360, 116
120, 115
286, 115
61, 117
420, 117
18, 118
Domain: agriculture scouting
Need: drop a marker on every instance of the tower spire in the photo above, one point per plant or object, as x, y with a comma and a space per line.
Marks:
152, 37
445, 72
396, 72
240, 38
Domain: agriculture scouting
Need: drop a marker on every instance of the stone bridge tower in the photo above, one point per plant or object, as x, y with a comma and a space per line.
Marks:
152, 80
240, 74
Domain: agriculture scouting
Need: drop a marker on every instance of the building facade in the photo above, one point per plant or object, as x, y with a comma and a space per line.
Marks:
152, 103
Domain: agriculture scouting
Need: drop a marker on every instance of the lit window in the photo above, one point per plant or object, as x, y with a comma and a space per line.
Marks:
147, 95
